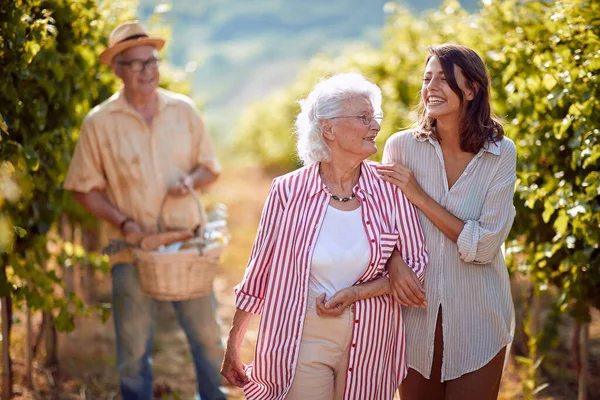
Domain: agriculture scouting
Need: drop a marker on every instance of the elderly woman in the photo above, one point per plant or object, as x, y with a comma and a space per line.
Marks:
328, 228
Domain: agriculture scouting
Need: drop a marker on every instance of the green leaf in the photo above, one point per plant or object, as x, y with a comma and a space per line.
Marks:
575, 109
524, 360
549, 209
65, 321
105, 311
20, 232
549, 82
562, 222
3, 126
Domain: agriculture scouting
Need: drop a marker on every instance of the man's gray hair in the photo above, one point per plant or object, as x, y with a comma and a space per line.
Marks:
326, 101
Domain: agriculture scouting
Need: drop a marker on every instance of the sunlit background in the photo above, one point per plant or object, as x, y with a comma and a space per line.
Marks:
246, 63
237, 51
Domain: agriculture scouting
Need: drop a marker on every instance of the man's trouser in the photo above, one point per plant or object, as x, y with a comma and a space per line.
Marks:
134, 316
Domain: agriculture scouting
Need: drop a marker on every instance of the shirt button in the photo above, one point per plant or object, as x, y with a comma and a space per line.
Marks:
372, 264
368, 222
356, 321
372, 240
353, 344
350, 369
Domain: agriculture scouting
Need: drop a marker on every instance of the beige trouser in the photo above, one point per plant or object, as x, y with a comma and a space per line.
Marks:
323, 358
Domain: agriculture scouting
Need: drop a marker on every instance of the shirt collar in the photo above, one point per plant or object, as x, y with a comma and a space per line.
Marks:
368, 175
118, 103
422, 137
492, 148
489, 146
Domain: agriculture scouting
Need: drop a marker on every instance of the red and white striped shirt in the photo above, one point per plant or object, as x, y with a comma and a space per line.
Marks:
275, 283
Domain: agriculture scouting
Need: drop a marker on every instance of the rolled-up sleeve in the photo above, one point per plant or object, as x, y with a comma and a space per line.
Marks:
411, 241
481, 240
86, 171
250, 292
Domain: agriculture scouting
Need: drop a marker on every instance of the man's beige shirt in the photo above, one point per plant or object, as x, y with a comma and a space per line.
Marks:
135, 164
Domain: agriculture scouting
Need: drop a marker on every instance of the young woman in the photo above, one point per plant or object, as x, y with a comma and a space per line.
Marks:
459, 170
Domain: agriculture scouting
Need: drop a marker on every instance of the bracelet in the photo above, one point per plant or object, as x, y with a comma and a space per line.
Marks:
125, 221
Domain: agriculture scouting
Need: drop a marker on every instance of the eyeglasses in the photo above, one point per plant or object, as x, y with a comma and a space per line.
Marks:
137, 65
365, 118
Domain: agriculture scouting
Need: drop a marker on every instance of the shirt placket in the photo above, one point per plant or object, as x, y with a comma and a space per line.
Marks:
323, 203
443, 203
358, 308
445, 200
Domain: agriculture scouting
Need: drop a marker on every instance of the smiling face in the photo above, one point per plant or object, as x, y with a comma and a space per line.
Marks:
438, 97
349, 137
144, 82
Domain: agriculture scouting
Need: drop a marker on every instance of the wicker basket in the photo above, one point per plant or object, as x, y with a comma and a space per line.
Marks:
181, 275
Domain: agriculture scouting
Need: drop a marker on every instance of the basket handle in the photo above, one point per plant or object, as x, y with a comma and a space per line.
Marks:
160, 222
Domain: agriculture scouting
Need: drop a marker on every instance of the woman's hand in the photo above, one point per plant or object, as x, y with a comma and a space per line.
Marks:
335, 306
182, 187
404, 178
406, 288
131, 227
233, 367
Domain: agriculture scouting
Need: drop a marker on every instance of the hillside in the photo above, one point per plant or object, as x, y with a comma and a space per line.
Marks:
239, 50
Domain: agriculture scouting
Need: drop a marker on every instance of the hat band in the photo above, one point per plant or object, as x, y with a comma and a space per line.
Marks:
133, 37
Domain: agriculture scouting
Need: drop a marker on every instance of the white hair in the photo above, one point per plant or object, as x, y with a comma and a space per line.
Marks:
327, 101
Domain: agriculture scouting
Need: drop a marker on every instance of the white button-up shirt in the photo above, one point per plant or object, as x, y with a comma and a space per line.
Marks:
468, 279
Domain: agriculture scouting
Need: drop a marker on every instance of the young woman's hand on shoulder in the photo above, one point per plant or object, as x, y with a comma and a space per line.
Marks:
404, 178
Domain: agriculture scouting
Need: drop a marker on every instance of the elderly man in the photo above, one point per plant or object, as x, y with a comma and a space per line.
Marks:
142, 144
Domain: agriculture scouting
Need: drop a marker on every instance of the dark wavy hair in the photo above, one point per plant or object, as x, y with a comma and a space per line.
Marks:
478, 124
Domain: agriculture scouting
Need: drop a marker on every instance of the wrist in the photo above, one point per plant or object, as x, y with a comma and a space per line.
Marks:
235, 338
233, 347
124, 222
356, 292
421, 202
189, 181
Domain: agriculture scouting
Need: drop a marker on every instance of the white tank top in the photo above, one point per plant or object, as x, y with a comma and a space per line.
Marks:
341, 254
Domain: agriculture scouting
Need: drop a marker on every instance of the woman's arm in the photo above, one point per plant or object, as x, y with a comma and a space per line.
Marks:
249, 294
335, 306
405, 180
233, 367
478, 240
406, 287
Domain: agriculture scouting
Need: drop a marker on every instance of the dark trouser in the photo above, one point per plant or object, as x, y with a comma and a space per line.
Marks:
482, 384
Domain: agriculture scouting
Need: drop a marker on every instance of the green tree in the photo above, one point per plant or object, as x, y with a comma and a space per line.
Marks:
550, 97
51, 79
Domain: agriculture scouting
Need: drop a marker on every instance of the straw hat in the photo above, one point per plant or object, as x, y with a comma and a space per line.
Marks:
125, 36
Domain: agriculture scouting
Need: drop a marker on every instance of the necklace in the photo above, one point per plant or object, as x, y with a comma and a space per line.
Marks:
342, 199
333, 196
